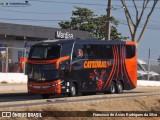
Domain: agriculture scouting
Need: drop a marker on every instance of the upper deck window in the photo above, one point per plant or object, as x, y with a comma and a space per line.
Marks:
92, 51
130, 51
45, 52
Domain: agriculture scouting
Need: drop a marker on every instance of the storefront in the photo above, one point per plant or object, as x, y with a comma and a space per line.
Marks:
19, 38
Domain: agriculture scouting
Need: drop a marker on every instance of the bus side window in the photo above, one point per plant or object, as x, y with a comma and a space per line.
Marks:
77, 52
109, 51
92, 51
101, 52
130, 51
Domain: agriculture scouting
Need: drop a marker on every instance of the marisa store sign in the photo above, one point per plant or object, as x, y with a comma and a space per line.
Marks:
62, 35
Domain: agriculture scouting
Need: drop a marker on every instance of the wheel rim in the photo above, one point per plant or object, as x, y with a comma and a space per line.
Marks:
73, 90
112, 88
120, 88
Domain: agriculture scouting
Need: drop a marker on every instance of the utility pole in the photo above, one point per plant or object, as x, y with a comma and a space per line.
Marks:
108, 28
149, 56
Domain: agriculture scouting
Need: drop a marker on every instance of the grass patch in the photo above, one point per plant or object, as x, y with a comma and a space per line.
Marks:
142, 105
4, 82
156, 108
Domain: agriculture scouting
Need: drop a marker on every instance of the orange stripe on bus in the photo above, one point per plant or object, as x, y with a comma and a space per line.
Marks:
61, 60
111, 70
56, 61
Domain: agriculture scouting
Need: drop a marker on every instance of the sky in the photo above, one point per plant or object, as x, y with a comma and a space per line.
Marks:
49, 12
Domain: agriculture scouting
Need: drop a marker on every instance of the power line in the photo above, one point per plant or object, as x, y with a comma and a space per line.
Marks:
51, 25
141, 24
45, 13
123, 22
80, 3
152, 20
32, 12
31, 20
52, 20
130, 6
148, 27
68, 2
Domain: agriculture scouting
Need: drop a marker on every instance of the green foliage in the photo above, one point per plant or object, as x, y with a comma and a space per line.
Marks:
85, 20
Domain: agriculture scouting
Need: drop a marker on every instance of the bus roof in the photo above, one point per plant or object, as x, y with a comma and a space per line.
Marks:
88, 41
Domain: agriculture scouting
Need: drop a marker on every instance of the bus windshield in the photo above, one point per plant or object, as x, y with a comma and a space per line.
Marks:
42, 72
45, 52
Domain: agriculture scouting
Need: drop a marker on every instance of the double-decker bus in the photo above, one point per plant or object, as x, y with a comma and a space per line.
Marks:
84, 66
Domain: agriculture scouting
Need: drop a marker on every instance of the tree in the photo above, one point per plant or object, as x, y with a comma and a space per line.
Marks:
84, 19
134, 24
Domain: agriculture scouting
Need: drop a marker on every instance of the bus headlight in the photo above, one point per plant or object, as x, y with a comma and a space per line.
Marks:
53, 85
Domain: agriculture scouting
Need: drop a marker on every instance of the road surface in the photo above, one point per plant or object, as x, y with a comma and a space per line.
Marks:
20, 98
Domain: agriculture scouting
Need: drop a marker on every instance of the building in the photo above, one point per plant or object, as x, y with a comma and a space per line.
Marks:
24, 36
19, 38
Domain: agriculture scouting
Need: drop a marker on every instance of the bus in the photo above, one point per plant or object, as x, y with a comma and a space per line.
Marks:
87, 66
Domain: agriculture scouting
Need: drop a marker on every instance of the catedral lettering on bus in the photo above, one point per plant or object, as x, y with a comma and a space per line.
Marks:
88, 66
96, 64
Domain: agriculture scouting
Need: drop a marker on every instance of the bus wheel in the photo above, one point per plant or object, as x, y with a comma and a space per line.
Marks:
45, 96
119, 88
73, 91
112, 88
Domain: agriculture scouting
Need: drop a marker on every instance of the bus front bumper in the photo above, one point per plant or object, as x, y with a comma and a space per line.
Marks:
53, 87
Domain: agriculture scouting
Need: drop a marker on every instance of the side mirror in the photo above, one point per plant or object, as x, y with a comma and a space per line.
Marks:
23, 65
26, 68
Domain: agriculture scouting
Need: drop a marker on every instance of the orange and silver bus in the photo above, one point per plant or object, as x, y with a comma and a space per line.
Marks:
86, 66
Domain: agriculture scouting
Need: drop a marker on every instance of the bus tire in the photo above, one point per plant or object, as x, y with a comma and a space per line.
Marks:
112, 88
45, 96
119, 87
73, 90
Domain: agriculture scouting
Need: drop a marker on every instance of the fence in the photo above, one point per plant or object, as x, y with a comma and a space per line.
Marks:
10, 63
151, 69
10, 59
